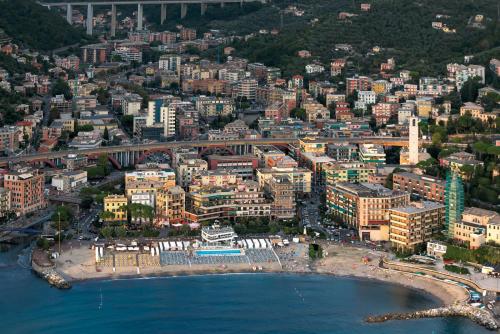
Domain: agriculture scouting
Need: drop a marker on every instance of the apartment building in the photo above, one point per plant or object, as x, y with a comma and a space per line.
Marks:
365, 206
148, 181
300, 177
188, 169
242, 199
116, 204
413, 225
354, 172
26, 187
424, 187
170, 205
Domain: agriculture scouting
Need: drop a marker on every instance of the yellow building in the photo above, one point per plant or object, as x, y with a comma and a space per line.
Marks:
148, 181
493, 231
477, 112
380, 86
312, 145
115, 204
424, 106
170, 205
472, 229
413, 225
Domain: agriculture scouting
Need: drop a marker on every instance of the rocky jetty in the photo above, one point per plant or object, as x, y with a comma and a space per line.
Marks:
53, 278
44, 268
479, 316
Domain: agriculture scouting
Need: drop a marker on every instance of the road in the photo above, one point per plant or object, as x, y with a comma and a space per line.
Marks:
388, 141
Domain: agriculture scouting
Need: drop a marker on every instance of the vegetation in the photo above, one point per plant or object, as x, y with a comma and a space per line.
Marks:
36, 26
315, 251
62, 216
8, 103
484, 255
456, 269
256, 225
390, 25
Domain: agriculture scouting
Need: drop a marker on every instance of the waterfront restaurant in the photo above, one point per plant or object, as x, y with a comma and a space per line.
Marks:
216, 235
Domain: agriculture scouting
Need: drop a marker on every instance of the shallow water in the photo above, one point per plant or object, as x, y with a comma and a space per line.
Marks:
244, 303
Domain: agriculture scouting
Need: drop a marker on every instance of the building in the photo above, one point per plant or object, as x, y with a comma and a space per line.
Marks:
241, 165
413, 225
247, 88
298, 176
413, 141
477, 112
423, 187
5, 201
26, 186
342, 151
280, 189
436, 249
170, 205
265, 153
117, 205
214, 106
216, 235
454, 201
493, 231
188, 169
365, 206
456, 161
371, 153
353, 172
472, 229
233, 201
9, 138
148, 181
69, 180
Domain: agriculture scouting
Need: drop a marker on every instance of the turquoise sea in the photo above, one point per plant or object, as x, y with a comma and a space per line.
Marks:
246, 303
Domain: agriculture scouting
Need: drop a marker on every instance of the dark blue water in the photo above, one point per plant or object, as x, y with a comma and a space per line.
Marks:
249, 303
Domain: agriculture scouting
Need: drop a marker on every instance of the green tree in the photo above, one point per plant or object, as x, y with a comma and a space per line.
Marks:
61, 87
470, 89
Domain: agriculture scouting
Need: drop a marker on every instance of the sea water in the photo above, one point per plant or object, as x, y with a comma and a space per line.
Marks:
233, 303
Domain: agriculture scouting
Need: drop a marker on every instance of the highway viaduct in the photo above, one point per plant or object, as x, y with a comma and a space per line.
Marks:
140, 7
129, 155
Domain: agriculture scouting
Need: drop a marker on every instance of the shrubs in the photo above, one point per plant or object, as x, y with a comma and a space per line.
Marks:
456, 269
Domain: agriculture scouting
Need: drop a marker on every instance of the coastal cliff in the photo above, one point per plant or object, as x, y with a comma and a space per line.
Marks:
479, 316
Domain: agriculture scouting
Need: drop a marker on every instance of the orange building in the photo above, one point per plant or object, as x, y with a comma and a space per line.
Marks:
26, 186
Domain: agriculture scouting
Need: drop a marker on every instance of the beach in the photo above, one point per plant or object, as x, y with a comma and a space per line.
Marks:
77, 263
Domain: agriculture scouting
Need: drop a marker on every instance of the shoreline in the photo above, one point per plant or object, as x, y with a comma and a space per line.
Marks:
76, 266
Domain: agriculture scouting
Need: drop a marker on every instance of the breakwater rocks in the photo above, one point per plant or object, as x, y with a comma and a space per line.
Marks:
45, 270
53, 278
479, 316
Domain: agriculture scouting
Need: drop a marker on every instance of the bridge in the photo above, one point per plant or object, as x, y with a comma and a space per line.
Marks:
140, 7
129, 155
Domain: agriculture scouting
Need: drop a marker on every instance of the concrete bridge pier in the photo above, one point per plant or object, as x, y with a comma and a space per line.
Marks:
203, 8
184, 10
163, 13
139, 16
222, 4
69, 13
113, 20
90, 18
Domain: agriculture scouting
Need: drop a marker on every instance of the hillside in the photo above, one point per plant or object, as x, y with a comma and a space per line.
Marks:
401, 28
37, 27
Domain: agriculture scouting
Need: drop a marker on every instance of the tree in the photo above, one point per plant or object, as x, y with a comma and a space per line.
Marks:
470, 89
105, 136
62, 87
107, 215
298, 113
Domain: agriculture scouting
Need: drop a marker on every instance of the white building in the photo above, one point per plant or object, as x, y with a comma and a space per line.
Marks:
144, 198
314, 69
187, 169
131, 104
170, 63
413, 140
69, 180
367, 96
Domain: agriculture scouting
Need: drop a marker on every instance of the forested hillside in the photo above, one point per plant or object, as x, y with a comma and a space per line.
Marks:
37, 27
402, 28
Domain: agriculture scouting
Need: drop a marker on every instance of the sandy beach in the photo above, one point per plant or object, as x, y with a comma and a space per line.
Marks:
77, 263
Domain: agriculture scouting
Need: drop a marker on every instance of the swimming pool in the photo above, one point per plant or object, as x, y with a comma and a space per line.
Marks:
218, 252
